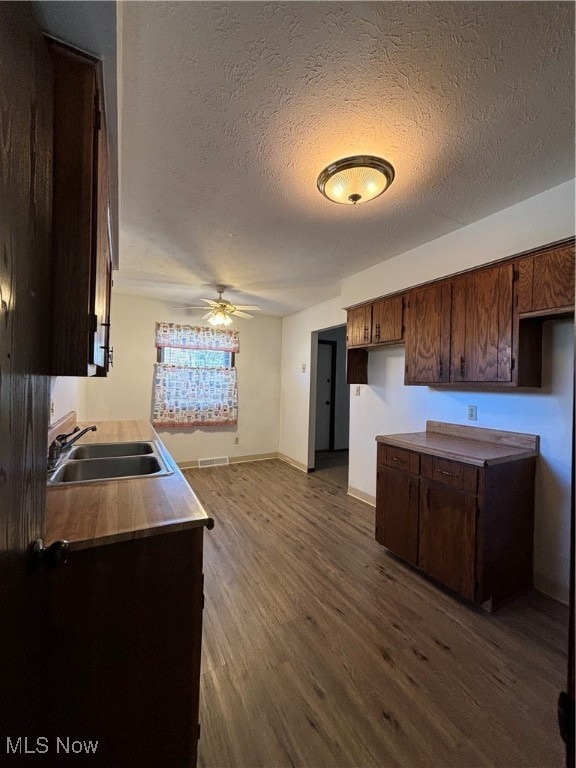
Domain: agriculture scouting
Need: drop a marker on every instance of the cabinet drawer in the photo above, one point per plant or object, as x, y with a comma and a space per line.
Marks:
451, 473
398, 458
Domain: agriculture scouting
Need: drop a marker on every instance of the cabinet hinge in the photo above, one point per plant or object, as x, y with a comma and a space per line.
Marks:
92, 323
515, 275
203, 600
513, 364
377, 475
198, 731
97, 119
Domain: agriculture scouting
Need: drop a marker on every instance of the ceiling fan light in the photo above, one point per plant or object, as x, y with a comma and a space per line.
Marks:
220, 316
356, 179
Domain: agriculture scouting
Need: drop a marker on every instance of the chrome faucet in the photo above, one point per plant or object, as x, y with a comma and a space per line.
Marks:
62, 443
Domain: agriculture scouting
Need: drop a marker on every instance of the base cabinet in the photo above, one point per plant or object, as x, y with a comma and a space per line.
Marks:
468, 527
123, 643
447, 536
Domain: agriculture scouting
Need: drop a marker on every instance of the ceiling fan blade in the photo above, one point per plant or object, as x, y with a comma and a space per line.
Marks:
249, 307
211, 302
207, 315
186, 306
242, 314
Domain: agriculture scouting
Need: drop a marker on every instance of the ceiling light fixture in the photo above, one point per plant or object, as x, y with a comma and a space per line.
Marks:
220, 316
355, 179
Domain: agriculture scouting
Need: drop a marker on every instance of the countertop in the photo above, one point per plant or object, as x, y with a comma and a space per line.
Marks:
98, 513
469, 445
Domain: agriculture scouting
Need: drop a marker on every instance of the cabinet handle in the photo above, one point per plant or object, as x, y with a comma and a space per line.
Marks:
462, 364
377, 331
448, 474
54, 555
366, 329
400, 461
109, 352
427, 498
441, 368
409, 490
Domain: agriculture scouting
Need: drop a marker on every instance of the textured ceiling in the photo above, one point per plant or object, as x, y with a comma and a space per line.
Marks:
230, 110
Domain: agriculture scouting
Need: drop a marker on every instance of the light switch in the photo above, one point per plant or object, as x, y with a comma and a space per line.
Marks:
472, 413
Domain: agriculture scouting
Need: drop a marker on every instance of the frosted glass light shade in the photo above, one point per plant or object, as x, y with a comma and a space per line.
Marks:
356, 179
219, 317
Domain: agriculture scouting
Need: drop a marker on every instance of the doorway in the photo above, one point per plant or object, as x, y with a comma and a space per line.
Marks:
332, 415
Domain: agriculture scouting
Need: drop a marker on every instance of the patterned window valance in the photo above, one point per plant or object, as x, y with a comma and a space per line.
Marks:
196, 337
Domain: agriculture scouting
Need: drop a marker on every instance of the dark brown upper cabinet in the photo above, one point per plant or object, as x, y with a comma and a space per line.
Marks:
359, 326
81, 218
481, 336
546, 282
387, 320
428, 334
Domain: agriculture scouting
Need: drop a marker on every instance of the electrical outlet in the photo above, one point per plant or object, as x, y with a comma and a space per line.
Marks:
236, 440
472, 413
303, 367
52, 409
357, 390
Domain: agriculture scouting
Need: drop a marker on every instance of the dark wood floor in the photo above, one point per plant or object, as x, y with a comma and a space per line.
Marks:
320, 649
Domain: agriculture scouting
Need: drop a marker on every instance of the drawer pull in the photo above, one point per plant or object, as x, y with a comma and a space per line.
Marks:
400, 461
448, 474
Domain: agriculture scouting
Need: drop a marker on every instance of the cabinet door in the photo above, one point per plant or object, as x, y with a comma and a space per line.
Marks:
546, 281
482, 326
359, 326
101, 256
387, 320
448, 536
428, 335
397, 513
554, 279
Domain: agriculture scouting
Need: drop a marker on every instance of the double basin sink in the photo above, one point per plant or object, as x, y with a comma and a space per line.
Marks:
93, 462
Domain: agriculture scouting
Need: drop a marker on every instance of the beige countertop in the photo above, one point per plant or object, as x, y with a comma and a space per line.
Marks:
97, 513
470, 445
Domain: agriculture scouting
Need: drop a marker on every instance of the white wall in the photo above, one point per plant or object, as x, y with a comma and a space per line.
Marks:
66, 394
387, 406
127, 391
296, 429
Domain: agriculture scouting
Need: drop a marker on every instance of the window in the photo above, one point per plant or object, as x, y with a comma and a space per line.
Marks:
195, 381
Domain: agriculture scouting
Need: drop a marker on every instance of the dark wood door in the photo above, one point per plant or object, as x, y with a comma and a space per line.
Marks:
428, 335
482, 326
124, 642
397, 513
359, 326
387, 320
26, 214
448, 536
101, 256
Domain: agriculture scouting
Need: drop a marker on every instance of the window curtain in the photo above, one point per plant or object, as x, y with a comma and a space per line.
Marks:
186, 397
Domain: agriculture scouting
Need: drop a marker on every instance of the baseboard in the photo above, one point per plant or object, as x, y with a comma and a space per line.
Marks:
560, 592
253, 457
365, 497
233, 459
297, 464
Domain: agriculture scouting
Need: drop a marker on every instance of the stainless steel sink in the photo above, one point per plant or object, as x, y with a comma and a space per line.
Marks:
105, 450
98, 462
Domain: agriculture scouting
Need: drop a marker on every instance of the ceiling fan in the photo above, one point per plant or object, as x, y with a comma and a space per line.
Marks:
221, 310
